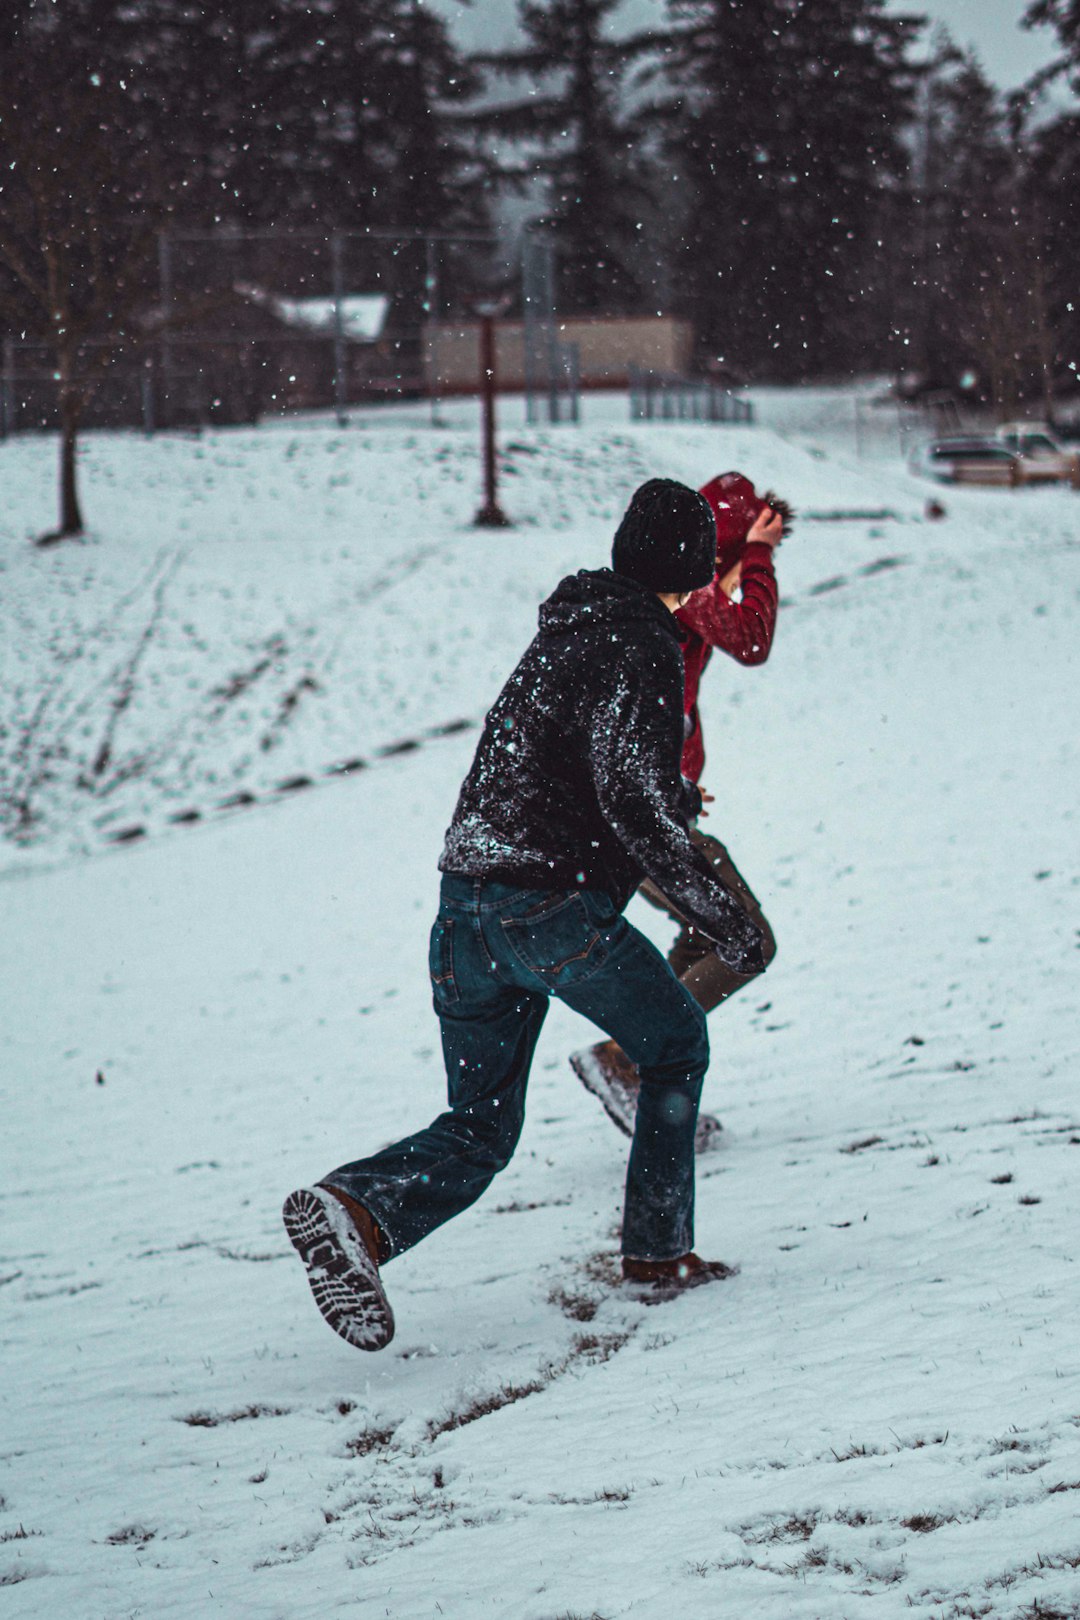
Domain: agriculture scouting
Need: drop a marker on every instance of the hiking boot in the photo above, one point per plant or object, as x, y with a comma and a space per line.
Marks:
339, 1243
665, 1278
608, 1073
706, 1133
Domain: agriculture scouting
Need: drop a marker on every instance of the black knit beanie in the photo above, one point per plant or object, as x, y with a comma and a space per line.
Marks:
667, 538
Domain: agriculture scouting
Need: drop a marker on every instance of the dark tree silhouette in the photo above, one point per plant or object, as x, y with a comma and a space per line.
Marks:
1064, 17
976, 277
1054, 179
574, 135
783, 126
81, 203
315, 113
436, 181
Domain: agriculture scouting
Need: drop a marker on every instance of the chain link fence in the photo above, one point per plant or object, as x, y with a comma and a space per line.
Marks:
246, 324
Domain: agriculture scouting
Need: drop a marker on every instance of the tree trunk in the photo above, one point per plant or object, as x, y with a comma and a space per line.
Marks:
71, 398
71, 404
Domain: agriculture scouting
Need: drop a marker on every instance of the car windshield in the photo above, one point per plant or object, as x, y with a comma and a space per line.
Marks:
969, 450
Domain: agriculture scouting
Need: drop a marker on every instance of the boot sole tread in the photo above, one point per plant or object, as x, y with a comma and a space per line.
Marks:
346, 1285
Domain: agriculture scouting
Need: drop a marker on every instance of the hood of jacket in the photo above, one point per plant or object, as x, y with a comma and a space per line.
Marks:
599, 598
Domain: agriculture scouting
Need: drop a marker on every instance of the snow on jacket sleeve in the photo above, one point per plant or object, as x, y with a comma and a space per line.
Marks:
634, 748
742, 629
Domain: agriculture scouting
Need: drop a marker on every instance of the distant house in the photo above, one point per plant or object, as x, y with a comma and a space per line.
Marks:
296, 345
248, 352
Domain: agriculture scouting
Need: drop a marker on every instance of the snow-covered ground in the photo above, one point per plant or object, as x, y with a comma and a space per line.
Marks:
881, 1415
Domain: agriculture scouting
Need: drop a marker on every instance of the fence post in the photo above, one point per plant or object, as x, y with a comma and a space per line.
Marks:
554, 414
575, 382
541, 338
147, 383
7, 390
165, 279
338, 270
431, 311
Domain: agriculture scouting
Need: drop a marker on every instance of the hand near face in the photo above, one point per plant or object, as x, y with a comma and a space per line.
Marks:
768, 528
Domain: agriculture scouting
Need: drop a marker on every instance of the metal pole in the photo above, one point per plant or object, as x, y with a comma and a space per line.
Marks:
490, 515
553, 356
574, 365
165, 278
431, 312
338, 270
553, 366
148, 396
7, 390
529, 304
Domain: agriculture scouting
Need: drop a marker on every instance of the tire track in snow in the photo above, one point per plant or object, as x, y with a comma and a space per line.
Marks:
243, 800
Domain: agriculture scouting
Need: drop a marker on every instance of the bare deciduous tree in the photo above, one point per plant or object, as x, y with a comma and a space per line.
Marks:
82, 198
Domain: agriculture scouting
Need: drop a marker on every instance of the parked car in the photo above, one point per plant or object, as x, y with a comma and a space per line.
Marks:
1017, 453
965, 459
1042, 459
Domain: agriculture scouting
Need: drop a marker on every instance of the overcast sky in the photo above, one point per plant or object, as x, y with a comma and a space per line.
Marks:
1008, 53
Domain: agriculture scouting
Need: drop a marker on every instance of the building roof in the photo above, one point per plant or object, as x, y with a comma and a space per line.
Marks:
363, 315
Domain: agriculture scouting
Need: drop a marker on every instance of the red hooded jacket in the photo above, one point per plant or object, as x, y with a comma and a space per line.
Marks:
742, 629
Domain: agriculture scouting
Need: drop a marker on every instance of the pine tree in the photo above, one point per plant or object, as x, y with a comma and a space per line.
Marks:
783, 123
436, 182
1054, 176
1064, 17
967, 184
978, 293
582, 146
314, 113
308, 116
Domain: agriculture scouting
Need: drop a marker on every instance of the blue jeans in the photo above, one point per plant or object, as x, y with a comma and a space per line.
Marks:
498, 954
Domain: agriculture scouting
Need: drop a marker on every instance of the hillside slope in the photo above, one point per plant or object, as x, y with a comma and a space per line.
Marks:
880, 1415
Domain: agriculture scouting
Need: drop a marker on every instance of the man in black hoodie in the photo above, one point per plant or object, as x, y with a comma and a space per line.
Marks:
574, 795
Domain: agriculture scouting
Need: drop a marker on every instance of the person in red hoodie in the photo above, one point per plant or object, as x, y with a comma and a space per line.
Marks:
749, 527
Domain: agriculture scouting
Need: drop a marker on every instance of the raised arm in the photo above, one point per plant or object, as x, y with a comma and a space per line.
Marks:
743, 629
634, 751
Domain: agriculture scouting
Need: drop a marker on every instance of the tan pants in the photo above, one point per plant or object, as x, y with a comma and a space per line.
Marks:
693, 957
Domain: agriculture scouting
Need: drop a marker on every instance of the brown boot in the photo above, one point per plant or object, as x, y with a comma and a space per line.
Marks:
339, 1244
666, 1278
608, 1073
364, 1221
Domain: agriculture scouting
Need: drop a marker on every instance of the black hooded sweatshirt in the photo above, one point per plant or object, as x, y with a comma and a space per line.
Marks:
576, 780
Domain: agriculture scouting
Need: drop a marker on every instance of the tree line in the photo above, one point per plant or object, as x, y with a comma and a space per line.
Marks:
814, 184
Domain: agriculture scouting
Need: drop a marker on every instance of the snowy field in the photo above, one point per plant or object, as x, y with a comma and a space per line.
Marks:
213, 988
